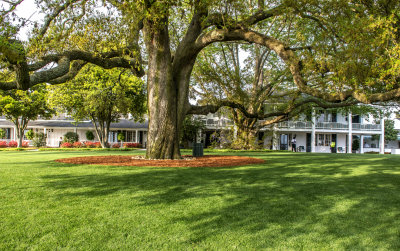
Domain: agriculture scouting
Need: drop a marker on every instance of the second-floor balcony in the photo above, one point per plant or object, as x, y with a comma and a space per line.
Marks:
300, 125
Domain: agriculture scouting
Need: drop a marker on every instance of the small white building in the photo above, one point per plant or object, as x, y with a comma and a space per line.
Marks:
56, 128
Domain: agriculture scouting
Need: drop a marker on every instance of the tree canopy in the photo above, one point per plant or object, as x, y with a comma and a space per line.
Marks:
103, 96
337, 52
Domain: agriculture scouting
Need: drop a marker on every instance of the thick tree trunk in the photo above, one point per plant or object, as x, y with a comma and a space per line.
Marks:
163, 134
168, 85
246, 134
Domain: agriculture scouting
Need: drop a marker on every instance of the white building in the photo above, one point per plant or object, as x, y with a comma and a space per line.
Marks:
326, 127
317, 133
313, 135
56, 128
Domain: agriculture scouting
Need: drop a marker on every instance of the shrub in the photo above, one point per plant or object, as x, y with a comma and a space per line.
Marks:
2, 133
121, 137
116, 145
71, 137
3, 144
12, 143
30, 134
89, 135
39, 139
66, 145
25, 144
77, 144
97, 144
133, 145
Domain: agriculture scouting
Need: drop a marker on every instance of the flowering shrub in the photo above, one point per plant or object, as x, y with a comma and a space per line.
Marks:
116, 145
77, 144
12, 143
88, 144
3, 144
25, 144
66, 145
133, 145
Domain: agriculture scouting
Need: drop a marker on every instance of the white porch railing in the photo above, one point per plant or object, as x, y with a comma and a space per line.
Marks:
366, 127
328, 126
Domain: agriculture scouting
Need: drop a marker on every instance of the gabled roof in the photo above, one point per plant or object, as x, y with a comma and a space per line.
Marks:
122, 124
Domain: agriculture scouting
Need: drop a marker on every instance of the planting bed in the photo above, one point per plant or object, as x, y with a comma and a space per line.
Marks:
205, 161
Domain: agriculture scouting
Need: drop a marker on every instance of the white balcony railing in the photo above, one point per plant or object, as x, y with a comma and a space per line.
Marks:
367, 127
295, 125
331, 126
217, 123
328, 126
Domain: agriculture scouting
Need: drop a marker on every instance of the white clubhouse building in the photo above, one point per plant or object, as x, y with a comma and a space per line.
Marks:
317, 133
313, 135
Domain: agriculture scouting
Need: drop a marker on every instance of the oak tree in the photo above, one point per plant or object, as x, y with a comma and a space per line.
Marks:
336, 51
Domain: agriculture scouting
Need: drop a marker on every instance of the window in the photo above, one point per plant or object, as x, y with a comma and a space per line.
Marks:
113, 136
327, 140
130, 136
323, 140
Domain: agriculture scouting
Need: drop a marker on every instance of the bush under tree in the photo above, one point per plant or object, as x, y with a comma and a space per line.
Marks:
2, 133
39, 139
89, 135
71, 137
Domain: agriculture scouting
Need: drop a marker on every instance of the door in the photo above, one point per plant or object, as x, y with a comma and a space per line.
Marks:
308, 143
283, 142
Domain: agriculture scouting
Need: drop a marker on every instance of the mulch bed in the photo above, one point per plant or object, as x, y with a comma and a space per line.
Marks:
188, 161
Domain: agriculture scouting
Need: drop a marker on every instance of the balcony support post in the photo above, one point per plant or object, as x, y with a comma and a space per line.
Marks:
382, 137
313, 131
350, 136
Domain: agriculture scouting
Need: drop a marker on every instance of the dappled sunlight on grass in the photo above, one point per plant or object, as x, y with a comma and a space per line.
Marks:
292, 201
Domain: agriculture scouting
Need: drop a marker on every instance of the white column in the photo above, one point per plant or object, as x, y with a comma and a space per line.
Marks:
15, 133
275, 139
362, 144
382, 138
313, 120
45, 134
136, 136
350, 136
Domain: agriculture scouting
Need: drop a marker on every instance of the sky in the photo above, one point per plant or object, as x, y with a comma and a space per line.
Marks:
27, 9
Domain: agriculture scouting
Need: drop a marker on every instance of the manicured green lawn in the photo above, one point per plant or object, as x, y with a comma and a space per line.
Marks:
293, 201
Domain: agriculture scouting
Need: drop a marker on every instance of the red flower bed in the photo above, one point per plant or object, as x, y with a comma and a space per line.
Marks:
66, 145
133, 145
12, 143
3, 144
88, 144
77, 144
116, 145
25, 143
